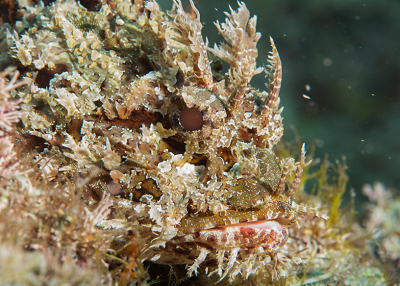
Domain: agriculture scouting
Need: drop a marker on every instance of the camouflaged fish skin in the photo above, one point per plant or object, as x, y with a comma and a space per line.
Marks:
104, 110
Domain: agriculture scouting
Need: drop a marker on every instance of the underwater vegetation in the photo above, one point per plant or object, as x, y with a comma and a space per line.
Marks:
130, 157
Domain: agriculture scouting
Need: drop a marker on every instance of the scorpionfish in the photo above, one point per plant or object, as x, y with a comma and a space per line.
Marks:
129, 102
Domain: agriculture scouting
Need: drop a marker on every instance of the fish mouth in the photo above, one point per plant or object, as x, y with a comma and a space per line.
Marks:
259, 224
267, 235
232, 218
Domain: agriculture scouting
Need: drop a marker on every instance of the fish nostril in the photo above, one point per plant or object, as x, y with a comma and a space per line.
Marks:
191, 119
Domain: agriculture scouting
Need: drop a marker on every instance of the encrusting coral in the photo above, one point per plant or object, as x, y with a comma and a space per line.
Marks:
134, 147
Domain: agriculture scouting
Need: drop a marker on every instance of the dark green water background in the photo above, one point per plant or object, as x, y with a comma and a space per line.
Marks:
347, 52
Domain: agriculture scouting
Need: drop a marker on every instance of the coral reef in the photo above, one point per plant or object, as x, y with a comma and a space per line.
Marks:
134, 149
382, 215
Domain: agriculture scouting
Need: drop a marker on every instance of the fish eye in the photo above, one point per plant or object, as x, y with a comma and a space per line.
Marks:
194, 112
191, 119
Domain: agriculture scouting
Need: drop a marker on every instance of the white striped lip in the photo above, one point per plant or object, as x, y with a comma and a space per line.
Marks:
260, 224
